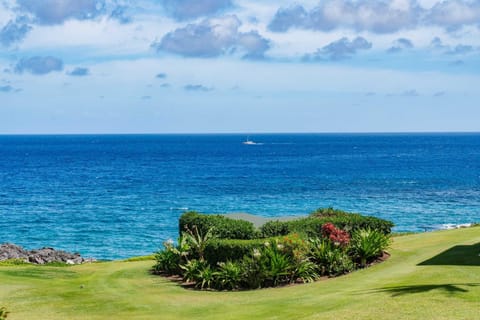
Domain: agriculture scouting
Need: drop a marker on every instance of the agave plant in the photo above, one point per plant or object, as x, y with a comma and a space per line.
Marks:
367, 244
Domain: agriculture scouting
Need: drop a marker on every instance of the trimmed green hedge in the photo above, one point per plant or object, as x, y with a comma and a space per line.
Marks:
222, 250
312, 225
221, 226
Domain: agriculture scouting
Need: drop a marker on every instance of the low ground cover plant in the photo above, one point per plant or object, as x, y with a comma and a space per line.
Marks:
208, 259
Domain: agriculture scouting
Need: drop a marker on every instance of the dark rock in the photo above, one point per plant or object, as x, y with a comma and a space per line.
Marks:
40, 256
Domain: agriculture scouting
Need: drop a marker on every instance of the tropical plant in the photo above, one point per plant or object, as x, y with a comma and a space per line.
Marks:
3, 313
197, 241
170, 258
253, 270
206, 277
306, 270
191, 270
229, 275
335, 235
277, 264
368, 244
332, 260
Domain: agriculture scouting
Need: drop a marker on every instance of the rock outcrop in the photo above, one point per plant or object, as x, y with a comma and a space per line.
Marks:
40, 256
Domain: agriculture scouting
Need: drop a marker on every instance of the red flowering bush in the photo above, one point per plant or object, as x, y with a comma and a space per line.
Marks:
337, 236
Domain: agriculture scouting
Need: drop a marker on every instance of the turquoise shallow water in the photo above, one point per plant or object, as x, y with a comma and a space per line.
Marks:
114, 196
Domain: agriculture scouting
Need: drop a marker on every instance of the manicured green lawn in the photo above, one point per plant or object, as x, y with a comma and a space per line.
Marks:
429, 276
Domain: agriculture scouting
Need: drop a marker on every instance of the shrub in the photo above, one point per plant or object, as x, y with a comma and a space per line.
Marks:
253, 270
223, 250
312, 226
3, 313
328, 212
167, 262
206, 277
170, 258
335, 235
306, 271
229, 275
274, 228
368, 244
277, 265
192, 270
220, 226
332, 260
196, 241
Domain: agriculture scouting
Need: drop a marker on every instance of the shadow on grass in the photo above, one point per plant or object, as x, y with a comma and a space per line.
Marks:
449, 288
466, 255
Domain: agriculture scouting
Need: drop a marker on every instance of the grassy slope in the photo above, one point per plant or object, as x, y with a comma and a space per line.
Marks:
396, 289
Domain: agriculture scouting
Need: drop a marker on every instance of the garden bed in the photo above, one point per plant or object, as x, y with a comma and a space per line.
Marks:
215, 252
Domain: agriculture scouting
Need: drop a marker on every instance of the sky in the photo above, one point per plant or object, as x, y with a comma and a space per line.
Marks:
239, 66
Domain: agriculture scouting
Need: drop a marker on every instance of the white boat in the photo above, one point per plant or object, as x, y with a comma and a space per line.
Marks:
249, 142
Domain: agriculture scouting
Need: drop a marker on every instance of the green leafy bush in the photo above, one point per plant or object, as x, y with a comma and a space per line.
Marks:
206, 277
331, 260
311, 225
220, 226
229, 275
253, 270
277, 263
223, 250
306, 271
192, 270
3, 313
170, 258
368, 244
221, 253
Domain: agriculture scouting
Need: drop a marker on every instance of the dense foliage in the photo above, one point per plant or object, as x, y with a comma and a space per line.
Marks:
220, 226
311, 225
3, 313
209, 257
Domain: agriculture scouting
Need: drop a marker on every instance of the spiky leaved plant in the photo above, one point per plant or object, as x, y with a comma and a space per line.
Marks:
367, 244
3, 313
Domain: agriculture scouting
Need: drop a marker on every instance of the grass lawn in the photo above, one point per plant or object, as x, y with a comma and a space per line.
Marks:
429, 276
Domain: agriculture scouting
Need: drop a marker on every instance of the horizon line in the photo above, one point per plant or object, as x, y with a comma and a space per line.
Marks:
236, 133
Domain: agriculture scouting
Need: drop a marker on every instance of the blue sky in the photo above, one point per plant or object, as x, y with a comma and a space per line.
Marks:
171, 66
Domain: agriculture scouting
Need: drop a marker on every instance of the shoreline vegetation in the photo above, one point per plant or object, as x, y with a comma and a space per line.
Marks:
432, 275
218, 252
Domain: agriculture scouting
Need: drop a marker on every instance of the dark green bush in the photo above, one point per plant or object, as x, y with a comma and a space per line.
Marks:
3, 313
312, 226
221, 226
223, 250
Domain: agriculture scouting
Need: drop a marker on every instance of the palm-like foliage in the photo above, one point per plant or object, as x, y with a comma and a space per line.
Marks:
367, 244
229, 275
206, 278
197, 241
306, 270
3, 313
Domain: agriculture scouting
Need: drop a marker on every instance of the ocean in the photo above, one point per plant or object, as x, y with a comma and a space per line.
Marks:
116, 196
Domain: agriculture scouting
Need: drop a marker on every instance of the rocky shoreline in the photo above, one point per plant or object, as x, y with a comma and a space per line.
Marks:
40, 256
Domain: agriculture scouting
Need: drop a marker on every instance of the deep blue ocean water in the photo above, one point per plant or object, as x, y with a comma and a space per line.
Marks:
115, 196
